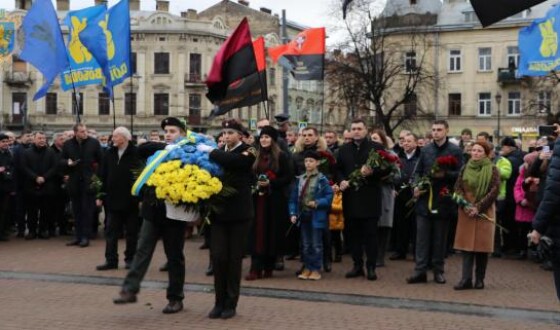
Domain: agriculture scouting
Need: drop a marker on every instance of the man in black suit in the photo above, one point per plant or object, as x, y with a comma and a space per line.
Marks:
362, 208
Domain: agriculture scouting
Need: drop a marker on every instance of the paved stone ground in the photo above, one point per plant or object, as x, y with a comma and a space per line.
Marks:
42, 303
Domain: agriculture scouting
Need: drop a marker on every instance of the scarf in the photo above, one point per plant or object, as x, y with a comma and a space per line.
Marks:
478, 175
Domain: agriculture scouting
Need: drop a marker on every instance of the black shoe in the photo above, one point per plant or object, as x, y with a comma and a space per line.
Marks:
439, 278
397, 256
479, 284
215, 313
210, 270
84, 243
547, 265
107, 266
73, 243
463, 285
355, 272
164, 267
173, 307
337, 258
127, 265
496, 254
125, 297
417, 278
521, 256
300, 270
228, 313
20, 234
30, 236
44, 235
327, 267
371, 275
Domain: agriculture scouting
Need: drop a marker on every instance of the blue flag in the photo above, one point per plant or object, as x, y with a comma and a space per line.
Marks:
43, 46
107, 37
84, 68
538, 45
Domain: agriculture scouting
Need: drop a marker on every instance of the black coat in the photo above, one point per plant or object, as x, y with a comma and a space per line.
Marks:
547, 219
118, 176
152, 208
237, 165
364, 203
428, 157
88, 152
7, 184
39, 162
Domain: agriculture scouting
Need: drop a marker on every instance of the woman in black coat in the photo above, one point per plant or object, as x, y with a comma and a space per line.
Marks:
273, 177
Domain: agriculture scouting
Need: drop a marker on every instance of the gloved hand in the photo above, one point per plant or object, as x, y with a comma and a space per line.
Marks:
169, 147
204, 148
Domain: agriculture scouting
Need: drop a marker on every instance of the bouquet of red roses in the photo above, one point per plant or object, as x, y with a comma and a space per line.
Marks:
444, 163
379, 160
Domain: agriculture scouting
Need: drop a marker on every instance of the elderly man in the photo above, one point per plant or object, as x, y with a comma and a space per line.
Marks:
117, 174
81, 156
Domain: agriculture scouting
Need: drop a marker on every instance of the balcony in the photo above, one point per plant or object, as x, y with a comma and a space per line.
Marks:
507, 76
194, 80
18, 79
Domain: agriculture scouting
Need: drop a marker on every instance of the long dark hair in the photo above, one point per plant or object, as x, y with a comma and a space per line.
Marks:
274, 156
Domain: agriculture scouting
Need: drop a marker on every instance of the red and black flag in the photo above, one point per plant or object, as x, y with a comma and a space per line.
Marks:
304, 56
345, 4
492, 11
235, 78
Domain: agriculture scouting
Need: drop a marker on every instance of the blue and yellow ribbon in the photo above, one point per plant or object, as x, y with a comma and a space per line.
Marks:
158, 158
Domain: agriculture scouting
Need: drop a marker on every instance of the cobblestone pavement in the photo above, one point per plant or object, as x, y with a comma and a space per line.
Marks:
46, 285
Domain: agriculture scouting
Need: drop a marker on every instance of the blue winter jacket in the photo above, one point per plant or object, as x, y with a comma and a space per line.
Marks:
323, 196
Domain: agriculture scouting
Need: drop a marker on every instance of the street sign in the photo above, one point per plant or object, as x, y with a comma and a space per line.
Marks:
302, 124
253, 123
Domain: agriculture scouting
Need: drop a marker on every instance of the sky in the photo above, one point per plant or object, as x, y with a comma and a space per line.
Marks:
312, 13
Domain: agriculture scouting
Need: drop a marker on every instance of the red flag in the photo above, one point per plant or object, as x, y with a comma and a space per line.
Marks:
235, 60
248, 90
304, 56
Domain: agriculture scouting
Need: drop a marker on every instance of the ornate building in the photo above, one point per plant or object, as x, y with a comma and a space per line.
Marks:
171, 58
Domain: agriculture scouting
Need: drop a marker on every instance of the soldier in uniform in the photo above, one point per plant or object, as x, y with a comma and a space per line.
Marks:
157, 225
230, 227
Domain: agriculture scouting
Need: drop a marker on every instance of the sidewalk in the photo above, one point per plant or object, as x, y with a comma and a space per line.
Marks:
510, 284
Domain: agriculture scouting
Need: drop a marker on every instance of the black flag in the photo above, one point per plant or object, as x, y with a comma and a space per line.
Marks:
492, 11
345, 5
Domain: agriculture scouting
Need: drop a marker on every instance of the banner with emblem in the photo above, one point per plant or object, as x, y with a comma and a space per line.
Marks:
7, 37
107, 37
304, 56
84, 68
538, 45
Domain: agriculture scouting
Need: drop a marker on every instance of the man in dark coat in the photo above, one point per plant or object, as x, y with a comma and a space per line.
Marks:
405, 218
361, 208
60, 198
7, 188
19, 208
547, 219
230, 227
515, 156
157, 225
39, 168
120, 164
81, 156
433, 218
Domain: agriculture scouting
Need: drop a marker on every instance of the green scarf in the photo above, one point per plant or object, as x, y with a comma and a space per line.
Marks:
478, 175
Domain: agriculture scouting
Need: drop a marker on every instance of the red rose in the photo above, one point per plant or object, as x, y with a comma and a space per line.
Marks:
270, 175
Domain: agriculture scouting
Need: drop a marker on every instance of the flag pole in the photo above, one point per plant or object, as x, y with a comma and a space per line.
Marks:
76, 105
114, 109
322, 93
131, 105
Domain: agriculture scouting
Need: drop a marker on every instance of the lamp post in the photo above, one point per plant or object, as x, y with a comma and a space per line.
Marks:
498, 101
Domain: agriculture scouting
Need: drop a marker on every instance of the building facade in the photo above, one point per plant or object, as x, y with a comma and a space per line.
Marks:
171, 58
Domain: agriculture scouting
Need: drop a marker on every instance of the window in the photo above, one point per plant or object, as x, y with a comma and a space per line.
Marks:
161, 104
195, 64
194, 109
410, 62
411, 105
485, 59
413, 2
484, 104
455, 60
80, 98
161, 63
544, 102
454, 104
51, 99
130, 104
19, 107
104, 107
18, 65
470, 17
272, 76
514, 104
133, 63
513, 57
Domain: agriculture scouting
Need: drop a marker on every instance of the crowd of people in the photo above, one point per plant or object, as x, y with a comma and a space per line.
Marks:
294, 198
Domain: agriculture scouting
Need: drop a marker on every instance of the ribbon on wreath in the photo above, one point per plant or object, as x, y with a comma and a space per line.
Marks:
155, 160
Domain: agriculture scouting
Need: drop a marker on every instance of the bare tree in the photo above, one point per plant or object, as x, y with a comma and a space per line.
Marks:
382, 66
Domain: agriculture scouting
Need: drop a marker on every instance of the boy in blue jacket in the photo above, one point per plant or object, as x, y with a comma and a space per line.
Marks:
309, 205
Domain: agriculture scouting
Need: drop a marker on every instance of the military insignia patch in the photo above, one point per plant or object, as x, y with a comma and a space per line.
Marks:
250, 151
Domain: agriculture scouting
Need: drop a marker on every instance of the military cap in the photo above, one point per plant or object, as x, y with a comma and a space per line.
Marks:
282, 118
173, 121
233, 124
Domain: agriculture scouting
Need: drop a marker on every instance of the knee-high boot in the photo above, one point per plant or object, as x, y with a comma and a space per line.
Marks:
481, 264
382, 242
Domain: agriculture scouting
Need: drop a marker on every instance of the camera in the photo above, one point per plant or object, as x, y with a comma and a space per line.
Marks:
547, 130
